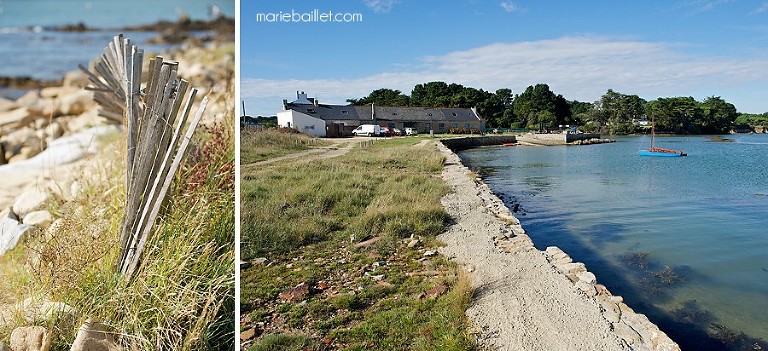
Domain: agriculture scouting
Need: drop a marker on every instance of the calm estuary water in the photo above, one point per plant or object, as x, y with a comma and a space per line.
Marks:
628, 218
28, 46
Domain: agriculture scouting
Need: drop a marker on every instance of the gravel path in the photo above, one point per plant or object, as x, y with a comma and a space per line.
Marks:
335, 150
521, 301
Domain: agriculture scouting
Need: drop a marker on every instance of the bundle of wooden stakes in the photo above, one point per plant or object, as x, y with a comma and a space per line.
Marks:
155, 144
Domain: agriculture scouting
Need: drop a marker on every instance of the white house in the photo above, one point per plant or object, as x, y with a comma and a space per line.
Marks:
307, 115
301, 122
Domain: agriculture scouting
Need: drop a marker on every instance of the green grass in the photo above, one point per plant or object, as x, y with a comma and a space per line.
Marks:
260, 145
306, 218
182, 296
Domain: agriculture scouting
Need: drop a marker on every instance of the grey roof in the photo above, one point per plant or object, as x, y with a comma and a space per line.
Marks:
386, 113
435, 114
325, 112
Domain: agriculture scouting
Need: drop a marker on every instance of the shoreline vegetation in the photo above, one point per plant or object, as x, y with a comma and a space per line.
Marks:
333, 260
539, 108
59, 289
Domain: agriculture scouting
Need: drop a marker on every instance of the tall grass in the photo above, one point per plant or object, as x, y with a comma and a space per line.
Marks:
258, 145
182, 296
306, 217
362, 194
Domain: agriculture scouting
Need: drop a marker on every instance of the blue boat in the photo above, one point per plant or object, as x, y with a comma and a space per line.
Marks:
657, 151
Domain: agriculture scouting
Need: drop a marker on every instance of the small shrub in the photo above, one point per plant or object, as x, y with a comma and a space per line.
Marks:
347, 302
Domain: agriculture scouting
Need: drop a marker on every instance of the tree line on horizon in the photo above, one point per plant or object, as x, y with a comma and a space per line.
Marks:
614, 113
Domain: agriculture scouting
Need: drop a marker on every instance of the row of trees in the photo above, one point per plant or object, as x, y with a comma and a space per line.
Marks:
614, 113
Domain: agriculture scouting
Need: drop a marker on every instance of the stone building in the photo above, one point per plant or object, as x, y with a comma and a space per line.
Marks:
309, 116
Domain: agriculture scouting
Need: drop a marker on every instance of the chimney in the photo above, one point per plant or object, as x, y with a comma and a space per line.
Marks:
285, 105
372, 112
315, 101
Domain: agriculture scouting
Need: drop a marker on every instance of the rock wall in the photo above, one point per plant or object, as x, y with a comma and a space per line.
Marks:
634, 330
463, 143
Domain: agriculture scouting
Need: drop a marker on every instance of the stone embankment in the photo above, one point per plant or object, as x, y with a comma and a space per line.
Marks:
468, 142
562, 139
463, 143
526, 299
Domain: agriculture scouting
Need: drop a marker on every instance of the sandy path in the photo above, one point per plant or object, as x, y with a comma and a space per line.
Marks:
335, 150
520, 302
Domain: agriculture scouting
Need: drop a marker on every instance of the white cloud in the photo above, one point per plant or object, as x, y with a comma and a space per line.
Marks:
581, 68
698, 6
510, 6
380, 6
762, 8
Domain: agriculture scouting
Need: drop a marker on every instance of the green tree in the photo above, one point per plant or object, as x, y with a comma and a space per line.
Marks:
529, 105
383, 97
432, 94
618, 111
676, 114
718, 115
494, 108
581, 112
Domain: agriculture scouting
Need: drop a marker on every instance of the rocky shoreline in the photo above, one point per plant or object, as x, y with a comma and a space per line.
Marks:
48, 137
180, 32
525, 298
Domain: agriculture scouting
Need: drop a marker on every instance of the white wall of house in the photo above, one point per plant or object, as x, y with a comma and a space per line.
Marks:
301, 122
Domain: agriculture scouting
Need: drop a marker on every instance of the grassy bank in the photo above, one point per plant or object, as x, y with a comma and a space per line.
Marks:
349, 244
182, 297
259, 145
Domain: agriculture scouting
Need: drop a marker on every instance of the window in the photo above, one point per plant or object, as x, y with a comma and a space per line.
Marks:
427, 126
454, 125
441, 126
430, 114
311, 110
467, 125
344, 112
394, 113
454, 114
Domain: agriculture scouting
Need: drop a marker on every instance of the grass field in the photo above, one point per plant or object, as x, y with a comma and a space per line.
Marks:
320, 288
259, 145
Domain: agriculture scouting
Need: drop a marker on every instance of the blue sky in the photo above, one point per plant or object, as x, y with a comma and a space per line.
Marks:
653, 49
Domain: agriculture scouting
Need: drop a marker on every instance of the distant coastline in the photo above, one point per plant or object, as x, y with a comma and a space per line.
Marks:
169, 35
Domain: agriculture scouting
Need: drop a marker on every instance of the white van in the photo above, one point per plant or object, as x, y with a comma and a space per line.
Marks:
367, 130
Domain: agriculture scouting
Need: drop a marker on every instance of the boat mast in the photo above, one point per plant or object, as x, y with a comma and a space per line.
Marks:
653, 128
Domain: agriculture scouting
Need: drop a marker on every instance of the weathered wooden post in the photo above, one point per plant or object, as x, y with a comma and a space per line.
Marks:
155, 146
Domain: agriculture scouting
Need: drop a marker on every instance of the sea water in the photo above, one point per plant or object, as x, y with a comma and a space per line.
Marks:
683, 239
29, 47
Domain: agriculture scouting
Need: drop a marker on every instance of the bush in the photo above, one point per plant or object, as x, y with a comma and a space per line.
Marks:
464, 131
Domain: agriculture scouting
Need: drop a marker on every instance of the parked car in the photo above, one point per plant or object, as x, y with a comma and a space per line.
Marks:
397, 131
411, 131
367, 130
386, 131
